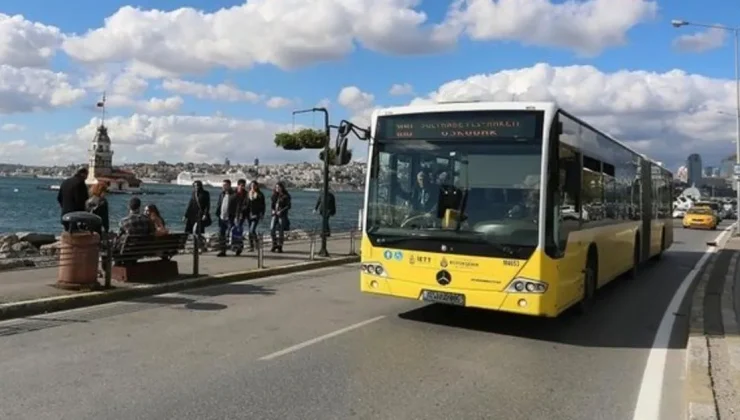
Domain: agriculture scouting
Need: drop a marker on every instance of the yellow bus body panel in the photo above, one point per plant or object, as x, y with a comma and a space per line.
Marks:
484, 280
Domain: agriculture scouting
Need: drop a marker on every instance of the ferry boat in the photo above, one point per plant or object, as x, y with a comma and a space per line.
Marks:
213, 180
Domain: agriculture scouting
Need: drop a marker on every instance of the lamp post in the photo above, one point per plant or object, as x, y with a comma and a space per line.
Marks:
736, 32
323, 252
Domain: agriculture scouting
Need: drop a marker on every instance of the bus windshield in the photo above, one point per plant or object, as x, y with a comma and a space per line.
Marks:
488, 178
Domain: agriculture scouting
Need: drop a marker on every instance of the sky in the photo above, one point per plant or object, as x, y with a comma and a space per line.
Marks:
200, 81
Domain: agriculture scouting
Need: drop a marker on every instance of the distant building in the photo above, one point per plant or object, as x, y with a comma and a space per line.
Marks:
100, 164
256, 162
694, 168
227, 162
726, 167
711, 172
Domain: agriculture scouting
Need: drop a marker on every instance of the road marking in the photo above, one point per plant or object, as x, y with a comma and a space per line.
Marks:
313, 341
651, 388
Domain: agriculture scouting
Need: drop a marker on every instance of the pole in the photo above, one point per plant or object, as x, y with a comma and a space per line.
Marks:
324, 252
737, 127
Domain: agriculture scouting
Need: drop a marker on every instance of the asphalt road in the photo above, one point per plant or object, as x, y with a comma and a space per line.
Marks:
259, 351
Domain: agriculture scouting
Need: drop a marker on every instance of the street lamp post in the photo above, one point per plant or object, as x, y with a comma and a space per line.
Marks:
323, 252
736, 33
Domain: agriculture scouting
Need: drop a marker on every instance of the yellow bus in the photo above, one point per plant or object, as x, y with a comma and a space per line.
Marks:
517, 207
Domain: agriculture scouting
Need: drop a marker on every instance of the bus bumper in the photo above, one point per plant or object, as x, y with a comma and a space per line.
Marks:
520, 303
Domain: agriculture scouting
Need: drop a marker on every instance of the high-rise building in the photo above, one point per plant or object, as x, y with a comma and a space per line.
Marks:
694, 169
726, 167
710, 171
682, 174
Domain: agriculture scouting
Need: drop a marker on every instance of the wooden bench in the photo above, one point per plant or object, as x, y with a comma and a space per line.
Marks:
126, 256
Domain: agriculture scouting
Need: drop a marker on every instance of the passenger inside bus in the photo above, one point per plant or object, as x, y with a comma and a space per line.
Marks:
423, 196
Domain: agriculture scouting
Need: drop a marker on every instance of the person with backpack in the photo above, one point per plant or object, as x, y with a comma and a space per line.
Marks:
331, 206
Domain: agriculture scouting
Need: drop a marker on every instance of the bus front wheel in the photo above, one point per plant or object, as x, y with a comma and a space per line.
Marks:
590, 276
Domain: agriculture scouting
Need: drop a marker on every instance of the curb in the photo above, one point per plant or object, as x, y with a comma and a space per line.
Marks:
706, 385
80, 300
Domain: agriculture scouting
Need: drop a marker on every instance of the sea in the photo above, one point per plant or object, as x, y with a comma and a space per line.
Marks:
27, 205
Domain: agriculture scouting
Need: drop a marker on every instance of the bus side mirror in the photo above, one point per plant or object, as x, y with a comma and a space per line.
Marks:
342, 155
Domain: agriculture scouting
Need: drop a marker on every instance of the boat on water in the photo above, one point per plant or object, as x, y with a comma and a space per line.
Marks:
213, 180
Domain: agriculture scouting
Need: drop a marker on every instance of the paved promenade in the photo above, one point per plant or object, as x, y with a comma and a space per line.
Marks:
35, 283
310, 346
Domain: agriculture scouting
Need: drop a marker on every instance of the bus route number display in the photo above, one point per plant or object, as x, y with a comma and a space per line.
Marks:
423, 126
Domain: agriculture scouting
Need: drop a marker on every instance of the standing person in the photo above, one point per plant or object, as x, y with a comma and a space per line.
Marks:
72, 194
331, 207
279, 204
197, 215
237, 232
226, 214
97, 204
254, 212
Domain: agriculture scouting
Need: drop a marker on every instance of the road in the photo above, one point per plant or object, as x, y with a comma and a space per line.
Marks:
310, 346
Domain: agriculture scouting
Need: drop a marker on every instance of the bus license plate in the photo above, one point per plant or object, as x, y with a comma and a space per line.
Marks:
443, 297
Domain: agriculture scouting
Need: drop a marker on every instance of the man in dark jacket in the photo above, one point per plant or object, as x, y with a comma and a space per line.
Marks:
197, 215
73, 194
331, 206
226, 213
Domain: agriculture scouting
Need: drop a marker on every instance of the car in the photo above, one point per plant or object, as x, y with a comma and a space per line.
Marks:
700, 218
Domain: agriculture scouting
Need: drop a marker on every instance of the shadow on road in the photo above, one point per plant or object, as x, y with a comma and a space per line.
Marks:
626, 313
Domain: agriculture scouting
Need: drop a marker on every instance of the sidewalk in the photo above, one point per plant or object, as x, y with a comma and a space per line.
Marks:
29, 285
713, 350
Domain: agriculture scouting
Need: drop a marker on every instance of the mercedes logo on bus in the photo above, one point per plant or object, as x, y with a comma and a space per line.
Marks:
444, 278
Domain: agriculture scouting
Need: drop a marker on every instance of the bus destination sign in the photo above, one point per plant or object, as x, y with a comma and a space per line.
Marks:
466, 126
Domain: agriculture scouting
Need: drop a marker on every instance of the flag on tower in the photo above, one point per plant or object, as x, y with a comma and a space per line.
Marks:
101, 103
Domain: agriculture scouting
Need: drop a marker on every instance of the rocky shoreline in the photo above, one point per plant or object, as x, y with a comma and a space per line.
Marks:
39, 250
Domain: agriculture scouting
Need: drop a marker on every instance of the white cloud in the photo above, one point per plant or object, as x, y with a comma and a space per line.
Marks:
401, 89
12, 127
360, 104
585, 26
666, 115
146, 138
706, 40
220, 92
286, 33
31, 89
24, 152
27, 44
323, 103
278, 102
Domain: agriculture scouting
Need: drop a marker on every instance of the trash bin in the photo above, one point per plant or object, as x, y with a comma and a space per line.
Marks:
79, 251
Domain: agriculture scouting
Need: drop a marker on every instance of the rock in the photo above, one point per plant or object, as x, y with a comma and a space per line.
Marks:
23, 249
7, 240
50, 250
36, 239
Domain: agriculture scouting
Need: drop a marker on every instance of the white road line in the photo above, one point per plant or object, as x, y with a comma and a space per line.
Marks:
651, 388
313, 341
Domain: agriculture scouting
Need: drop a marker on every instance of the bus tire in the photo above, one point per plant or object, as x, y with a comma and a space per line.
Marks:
635, 258
590, 281
662, 244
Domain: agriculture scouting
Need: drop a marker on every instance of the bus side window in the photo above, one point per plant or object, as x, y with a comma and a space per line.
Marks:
569, 193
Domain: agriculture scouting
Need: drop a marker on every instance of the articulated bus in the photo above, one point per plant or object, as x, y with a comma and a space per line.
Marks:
516, 207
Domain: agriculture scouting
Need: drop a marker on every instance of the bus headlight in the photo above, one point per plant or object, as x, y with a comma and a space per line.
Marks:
523, 285
373, 269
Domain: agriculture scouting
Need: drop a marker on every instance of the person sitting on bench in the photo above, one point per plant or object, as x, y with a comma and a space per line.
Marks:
135, 224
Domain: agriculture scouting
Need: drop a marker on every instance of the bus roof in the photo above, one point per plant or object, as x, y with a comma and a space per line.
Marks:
548, 107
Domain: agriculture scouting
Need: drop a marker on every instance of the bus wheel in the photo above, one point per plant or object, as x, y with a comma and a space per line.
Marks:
590, 274
635, 258
662, 245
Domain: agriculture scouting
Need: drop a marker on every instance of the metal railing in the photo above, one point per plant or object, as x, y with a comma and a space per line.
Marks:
79, 252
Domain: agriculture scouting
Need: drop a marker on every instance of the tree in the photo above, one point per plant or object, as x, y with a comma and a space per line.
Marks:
333, 156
